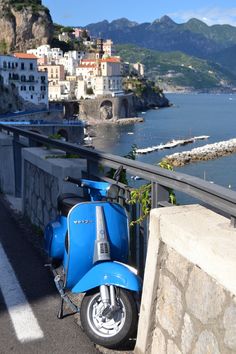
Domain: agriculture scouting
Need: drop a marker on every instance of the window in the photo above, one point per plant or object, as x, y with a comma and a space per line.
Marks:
23, 78
31, 97
31, 66
22, 66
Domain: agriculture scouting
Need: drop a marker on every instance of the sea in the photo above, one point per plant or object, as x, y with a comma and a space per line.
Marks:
190, 115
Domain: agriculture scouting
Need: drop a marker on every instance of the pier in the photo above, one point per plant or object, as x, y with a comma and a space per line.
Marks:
171, 144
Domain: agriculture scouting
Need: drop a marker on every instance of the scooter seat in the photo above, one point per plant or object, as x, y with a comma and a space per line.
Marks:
66, 201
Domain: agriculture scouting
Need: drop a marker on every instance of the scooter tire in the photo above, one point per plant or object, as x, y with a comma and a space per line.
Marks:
105, 336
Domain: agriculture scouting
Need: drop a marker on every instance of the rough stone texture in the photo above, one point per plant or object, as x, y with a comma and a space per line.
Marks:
26, 27
203, 153
230, 327
206, 344
107, 108
37, 207
172, 348
159, 342
169, 306
177, 265
204, 297
194, 314
43, 182
187, 334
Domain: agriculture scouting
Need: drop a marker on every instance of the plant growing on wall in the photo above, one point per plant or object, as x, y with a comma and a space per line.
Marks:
142, 196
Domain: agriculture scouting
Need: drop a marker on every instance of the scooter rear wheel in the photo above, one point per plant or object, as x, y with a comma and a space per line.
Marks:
113, 330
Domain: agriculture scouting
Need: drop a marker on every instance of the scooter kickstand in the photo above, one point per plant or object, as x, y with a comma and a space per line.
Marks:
60, 312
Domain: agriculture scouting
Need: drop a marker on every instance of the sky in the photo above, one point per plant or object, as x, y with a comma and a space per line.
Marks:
82, 12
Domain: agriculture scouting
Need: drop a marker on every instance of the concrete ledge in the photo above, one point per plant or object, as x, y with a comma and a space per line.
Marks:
203, 238
57, 167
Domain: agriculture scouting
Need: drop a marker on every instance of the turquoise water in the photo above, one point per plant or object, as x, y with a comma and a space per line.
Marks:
191, 115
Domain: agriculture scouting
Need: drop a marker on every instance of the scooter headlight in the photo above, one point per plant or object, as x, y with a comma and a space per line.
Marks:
113, 191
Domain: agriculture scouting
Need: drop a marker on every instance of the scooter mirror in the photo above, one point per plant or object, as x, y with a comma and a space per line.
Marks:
113, 191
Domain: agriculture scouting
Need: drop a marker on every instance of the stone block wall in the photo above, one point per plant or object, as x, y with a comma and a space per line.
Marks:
7, 173
192, 312
43, 182
189, 292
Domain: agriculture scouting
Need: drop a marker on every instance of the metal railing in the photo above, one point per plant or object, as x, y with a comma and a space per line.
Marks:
214, 196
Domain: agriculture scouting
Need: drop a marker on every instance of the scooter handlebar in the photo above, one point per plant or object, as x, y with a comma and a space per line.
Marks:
76, 181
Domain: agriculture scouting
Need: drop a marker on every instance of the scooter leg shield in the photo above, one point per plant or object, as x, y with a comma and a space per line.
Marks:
109, 273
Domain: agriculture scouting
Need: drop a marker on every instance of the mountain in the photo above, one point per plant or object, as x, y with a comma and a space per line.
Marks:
178, 70
193, 37
24, 24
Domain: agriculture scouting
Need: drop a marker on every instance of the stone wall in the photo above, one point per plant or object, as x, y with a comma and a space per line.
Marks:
117, 107
7, 174
193, 313
43, 182
189, 293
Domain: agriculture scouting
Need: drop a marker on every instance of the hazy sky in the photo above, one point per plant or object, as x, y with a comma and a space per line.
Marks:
82, 12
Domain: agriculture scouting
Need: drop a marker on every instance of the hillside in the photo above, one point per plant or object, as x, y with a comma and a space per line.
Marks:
227, 58
176, 69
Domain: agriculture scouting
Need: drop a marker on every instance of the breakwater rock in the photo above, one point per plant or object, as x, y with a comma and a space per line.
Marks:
203, 153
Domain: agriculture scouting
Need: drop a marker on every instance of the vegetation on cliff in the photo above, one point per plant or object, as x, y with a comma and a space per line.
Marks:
35, 5
146, 93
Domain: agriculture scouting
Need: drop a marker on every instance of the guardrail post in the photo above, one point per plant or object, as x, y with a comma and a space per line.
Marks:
233, 221
17, 163
160, 195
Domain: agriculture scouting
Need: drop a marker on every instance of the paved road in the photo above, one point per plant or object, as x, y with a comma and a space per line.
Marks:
29, 301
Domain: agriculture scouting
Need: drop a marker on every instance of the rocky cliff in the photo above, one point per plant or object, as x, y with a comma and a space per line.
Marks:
146, 93
10, 101
150, 99
24, 25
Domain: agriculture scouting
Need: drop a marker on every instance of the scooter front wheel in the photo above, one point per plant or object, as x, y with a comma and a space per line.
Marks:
111, 329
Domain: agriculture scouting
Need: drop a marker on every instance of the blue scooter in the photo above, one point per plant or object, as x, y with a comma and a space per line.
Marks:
90, 238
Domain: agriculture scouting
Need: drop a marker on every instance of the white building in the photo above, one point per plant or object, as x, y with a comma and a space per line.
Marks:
21, 71
56, 74
108, 48
102, 75
108, 78
139, 69
52, 54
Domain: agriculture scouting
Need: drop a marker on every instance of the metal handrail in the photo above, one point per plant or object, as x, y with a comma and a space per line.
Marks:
220, 198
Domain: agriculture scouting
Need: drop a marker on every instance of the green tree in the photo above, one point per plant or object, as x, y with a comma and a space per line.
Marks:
3, 47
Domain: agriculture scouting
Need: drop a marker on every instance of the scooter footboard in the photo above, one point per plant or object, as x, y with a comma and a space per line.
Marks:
109, 273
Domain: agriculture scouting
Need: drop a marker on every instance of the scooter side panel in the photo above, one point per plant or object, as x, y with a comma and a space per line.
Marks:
54, 237
108, 273
78, 259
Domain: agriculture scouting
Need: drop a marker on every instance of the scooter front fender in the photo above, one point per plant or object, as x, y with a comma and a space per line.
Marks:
108, 273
